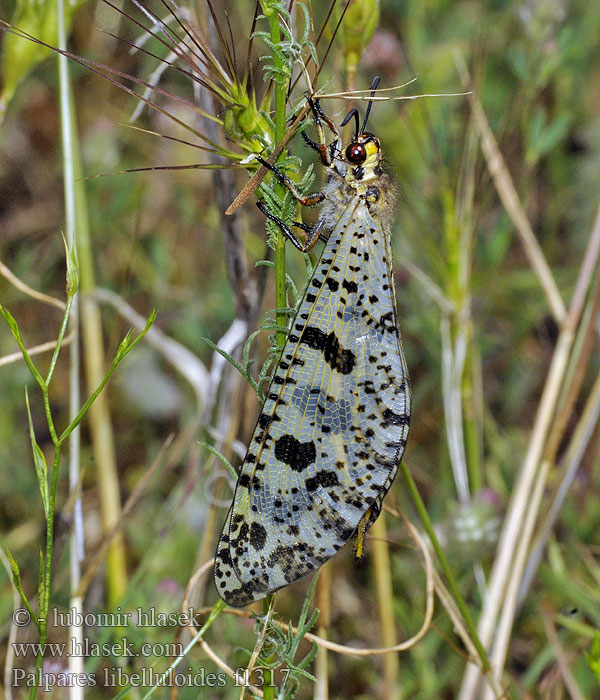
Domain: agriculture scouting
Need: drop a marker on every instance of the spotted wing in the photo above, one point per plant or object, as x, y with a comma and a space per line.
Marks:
331, 434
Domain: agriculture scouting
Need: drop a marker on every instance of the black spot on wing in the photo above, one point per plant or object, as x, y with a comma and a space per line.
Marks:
263, 420
396, 444
258, 536
297, 455
337, 357
285, 558
324, 478
392, 418
224, 556
386, 323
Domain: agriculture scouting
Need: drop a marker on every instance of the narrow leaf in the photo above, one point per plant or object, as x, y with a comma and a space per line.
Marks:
41, 467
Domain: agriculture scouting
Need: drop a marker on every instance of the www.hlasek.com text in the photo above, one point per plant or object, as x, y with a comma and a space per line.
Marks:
88, 648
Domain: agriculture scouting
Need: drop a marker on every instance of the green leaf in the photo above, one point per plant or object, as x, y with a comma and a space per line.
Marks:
14, 567
12, 324
41, 467
543, 137
226, 463
72, 268
242, 370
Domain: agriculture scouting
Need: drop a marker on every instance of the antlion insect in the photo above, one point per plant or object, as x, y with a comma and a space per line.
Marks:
330, 437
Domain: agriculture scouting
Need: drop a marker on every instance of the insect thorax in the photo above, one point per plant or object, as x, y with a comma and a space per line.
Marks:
378, 192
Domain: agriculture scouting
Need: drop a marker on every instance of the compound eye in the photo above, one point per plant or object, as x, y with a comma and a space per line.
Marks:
356, 153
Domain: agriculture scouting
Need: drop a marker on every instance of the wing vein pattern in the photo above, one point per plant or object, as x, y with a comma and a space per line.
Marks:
333, 428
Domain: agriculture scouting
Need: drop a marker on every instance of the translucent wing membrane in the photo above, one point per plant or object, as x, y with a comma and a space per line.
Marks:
332, 431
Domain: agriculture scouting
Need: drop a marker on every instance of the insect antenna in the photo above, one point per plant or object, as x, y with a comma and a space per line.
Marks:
374, 85
353, 113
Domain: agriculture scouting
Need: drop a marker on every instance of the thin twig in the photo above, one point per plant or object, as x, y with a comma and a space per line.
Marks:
26, 289
36, 350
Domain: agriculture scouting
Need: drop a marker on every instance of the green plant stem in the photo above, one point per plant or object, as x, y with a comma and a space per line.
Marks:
214, 613
45, 385
280, 103
48, 412
46, 574
458, 599
12, 324
46, 561
59, 340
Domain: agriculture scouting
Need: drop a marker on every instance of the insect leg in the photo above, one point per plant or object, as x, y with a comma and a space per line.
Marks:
327, 119
287, 231
313, 144
327, 153
334, 148
365, 522
309, 200
313, 232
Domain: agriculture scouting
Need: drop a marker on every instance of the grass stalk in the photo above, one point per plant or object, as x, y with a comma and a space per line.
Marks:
583, 348
267, 673
572, 461
518, 526
214, 614
382, 574
469, 388
321, 689
456, 594
100, 420
76, 537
